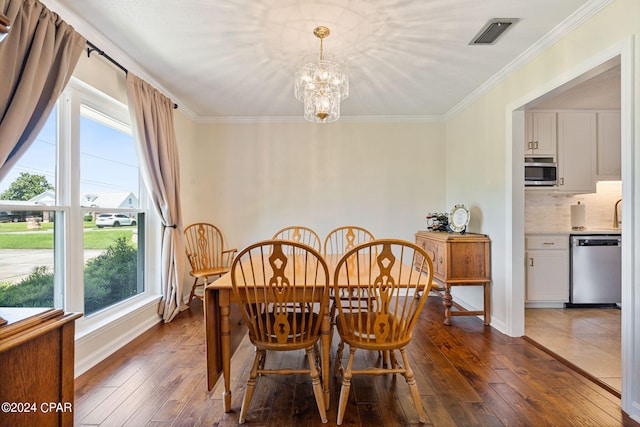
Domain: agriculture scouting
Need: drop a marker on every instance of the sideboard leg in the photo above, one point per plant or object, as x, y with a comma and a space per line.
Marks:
447, 302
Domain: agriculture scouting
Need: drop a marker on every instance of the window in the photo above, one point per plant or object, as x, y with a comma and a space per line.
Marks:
27, 256
75, 195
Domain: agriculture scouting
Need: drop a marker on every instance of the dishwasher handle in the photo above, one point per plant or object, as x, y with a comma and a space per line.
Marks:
598, 242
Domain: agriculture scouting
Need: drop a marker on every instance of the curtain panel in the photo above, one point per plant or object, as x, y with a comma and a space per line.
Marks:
152, 119
37, 59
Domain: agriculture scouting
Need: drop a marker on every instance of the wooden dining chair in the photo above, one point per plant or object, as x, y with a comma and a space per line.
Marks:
341, 239
396, 292
204, 245
300, 234
278, 283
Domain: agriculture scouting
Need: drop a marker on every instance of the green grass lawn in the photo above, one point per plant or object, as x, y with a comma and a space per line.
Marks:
39, 240
8, 227
13, 236
104, 238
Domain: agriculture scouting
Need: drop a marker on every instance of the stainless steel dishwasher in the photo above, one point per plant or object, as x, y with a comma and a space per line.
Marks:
596, 266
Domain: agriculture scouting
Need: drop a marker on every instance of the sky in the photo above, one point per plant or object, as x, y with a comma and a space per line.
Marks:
108, 160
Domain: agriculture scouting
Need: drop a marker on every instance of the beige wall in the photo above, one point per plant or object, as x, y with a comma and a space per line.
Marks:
252, 179
478, 152
102, 75
480, 159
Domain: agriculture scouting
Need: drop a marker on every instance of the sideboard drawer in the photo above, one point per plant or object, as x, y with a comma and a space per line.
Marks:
436, 252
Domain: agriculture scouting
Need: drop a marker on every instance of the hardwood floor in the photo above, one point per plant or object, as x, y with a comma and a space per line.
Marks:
468, 375
589, 339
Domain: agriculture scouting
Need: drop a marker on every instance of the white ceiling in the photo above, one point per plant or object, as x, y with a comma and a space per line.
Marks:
236, 58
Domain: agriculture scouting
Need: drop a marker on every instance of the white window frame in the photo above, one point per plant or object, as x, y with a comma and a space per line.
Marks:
76, 95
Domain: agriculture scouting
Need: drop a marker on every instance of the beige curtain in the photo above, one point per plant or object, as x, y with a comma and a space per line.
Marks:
152, 118
37, 59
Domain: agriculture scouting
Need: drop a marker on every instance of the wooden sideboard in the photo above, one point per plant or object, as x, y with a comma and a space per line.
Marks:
37, 367
459, 260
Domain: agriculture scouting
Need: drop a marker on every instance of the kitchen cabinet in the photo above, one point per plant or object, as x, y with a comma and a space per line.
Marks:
458, 260
547, 270
37, 360
608, 146
541, 137
577, 151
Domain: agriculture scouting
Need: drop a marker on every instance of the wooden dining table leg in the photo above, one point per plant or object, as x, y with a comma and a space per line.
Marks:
212, 333
325, 355
225, 341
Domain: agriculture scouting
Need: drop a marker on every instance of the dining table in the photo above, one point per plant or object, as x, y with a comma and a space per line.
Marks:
218, 297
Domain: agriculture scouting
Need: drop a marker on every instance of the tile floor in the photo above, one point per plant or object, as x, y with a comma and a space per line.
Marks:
588, 338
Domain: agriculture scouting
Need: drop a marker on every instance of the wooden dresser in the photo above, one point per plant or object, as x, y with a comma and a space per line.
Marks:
37, 367
459, 260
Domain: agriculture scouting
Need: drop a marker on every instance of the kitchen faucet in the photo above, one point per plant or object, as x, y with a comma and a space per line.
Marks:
616, 221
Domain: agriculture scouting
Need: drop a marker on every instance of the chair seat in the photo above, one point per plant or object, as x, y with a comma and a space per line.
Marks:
209, 272
369, 335
278, 339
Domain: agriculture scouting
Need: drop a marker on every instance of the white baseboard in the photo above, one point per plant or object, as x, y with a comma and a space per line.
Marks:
544, 304
97, 345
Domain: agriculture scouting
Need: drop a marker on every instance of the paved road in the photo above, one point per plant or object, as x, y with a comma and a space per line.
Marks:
16, 264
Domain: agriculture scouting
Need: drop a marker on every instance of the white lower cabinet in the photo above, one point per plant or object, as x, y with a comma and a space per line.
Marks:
547, 279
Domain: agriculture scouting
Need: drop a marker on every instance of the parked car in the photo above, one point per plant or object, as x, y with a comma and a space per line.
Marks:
114, 220
10, 217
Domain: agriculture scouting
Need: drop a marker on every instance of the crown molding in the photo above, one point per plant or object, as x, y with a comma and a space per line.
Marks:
300, 119
581, 15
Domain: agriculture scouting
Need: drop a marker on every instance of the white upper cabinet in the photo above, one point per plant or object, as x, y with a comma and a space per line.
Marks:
577, 151
540, 138
586, 144
609, 157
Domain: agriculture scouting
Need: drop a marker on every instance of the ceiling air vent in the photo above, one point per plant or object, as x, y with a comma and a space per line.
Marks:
493, 30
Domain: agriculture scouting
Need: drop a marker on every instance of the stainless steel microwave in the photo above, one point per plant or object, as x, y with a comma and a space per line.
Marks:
540, 172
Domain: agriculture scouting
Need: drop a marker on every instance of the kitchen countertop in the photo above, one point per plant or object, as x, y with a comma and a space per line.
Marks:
613, 231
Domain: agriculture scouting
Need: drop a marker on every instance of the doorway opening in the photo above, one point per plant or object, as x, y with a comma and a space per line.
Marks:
589, 339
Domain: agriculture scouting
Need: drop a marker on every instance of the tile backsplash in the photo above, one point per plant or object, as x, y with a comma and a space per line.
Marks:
551, 212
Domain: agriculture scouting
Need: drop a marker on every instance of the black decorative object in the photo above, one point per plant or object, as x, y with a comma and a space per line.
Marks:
438, 221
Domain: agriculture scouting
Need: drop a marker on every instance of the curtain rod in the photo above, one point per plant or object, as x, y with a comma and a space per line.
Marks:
93, 48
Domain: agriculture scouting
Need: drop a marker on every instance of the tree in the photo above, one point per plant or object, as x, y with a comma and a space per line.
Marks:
26, 186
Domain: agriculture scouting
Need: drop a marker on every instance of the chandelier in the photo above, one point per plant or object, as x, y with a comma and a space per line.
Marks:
321, 83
